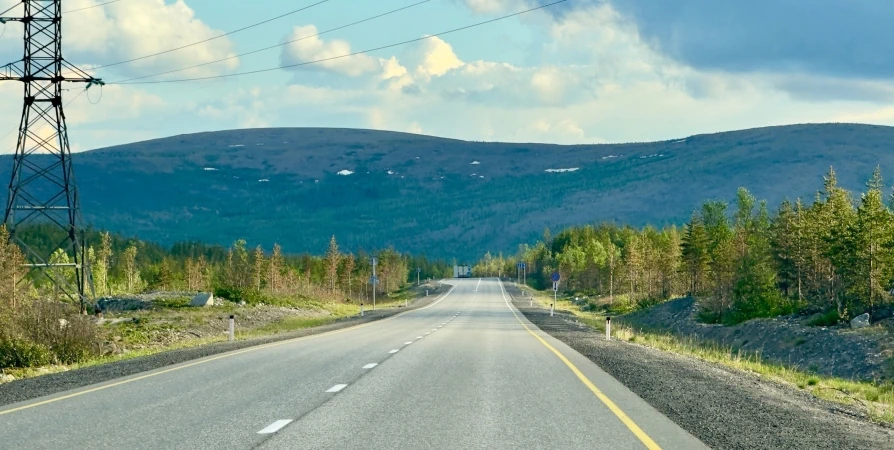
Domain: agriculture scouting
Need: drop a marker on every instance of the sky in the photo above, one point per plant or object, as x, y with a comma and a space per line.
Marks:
579, 72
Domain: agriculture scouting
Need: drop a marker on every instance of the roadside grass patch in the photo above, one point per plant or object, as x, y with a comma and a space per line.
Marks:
286, 325
875, 399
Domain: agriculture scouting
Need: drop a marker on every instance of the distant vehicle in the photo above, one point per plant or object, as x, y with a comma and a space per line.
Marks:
462, 272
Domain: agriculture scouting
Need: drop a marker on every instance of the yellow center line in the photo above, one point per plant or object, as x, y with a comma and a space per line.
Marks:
625, 419
214, 358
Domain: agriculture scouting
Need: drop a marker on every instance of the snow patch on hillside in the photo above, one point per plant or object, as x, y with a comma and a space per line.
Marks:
390, 172
612, 156
345, 172
210, 169
263, 180
237, 145
475, 163
572, 169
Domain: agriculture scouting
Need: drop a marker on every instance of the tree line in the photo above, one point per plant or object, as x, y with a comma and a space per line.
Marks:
122, 266
834, 256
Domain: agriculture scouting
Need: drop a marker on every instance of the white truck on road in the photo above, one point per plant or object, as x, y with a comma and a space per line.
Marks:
462, 271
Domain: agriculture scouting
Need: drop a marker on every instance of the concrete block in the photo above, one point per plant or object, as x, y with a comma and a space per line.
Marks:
202, 299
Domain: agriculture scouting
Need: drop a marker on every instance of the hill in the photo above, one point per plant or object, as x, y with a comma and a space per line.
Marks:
444, 197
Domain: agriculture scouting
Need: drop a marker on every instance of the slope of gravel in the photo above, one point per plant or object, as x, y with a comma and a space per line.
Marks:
833, 351
724, 408
30, 388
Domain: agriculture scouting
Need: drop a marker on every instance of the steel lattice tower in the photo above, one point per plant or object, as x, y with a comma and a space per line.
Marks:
42, 188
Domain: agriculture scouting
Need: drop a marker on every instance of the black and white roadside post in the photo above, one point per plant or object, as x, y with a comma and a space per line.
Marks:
525, 274
231, 334
374, 280
555, 279
361, 309
608, 328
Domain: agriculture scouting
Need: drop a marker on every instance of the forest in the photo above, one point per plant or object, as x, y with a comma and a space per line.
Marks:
40, 324
832, 258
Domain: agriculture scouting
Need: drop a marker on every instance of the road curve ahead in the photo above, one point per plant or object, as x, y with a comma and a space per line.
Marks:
466, 372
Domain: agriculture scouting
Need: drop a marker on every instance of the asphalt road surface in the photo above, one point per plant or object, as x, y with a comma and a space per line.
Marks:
465, 372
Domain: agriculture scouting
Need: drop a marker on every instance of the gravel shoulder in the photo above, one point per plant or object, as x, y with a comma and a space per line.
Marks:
31, 388
723, 407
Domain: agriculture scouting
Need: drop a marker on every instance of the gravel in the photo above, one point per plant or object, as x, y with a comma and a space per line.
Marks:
724, 408
31, 388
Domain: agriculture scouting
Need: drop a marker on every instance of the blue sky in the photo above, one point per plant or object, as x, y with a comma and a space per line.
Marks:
585, 71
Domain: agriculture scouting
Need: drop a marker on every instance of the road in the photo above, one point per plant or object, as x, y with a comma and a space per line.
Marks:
468, 371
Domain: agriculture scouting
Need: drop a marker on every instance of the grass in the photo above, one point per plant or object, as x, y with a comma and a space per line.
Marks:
876, 399
173, 316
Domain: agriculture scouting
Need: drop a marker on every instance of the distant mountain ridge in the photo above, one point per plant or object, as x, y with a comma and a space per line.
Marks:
444, 197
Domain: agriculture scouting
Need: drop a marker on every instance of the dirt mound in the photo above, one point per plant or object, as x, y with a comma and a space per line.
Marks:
841, 352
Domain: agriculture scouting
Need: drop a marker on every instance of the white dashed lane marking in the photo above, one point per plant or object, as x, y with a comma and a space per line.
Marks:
337, 388
394, 351
418, 337
370, 365
274, 427
408, 343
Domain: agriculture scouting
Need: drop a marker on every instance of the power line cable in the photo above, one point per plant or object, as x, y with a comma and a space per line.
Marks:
215, 37
348, 54
277, 45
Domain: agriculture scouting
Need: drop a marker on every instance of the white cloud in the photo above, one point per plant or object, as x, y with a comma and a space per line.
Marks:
125, 30
431, 57
494, 6
314, 49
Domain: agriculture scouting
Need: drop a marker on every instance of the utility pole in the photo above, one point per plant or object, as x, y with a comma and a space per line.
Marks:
42, 187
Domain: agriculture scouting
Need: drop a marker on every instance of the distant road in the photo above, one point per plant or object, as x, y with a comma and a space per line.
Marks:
466, 372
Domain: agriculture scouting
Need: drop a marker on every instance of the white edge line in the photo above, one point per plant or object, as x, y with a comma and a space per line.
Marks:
337, 388
275, 426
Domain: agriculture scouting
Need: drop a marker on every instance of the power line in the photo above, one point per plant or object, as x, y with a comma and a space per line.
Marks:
215, 37
251, 72
277, 45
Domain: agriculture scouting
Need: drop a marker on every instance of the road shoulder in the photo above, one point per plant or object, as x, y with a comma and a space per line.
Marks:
45, 385
724, 408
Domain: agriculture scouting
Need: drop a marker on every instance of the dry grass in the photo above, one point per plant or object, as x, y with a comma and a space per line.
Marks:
875, 399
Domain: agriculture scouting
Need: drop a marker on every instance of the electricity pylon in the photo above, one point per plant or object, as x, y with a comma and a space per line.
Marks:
42, 188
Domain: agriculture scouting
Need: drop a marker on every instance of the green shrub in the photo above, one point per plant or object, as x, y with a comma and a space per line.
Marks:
826, 319
69, 336
247, 295
16, 352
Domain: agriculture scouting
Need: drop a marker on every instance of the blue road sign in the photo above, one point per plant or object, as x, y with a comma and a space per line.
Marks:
374, 280
555, 276
522, 265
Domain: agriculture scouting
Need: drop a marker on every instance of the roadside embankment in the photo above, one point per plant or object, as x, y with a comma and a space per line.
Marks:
725, 408
108, 368
862, 354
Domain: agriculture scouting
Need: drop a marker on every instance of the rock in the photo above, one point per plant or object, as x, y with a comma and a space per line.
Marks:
63, 323
202, 299
861, 321
4, 378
